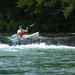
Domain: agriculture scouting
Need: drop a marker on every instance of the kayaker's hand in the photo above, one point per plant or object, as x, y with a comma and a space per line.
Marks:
26, 30
27, 27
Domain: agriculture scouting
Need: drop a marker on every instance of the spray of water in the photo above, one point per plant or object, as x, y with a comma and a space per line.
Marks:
33, 46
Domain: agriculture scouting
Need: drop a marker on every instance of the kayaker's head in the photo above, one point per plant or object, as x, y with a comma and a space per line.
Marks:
20, 27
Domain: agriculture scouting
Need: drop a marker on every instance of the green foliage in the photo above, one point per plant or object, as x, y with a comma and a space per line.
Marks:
68, 7
68, 10
22, 3
52, 15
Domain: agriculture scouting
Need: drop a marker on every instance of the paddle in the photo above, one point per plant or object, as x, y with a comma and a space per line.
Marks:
32, 25
15, 35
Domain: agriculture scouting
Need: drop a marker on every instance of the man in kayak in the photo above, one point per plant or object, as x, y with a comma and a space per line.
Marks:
21, 31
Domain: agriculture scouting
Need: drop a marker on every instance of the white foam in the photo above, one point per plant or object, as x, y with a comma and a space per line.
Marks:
44, 46
41, 45
5, 47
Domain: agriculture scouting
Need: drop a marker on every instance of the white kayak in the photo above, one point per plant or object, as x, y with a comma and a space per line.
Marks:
26, 39
33, 36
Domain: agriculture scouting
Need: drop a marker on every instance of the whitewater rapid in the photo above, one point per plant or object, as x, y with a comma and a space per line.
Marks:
6, 47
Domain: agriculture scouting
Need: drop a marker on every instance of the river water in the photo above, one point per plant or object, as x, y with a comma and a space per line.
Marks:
37, 59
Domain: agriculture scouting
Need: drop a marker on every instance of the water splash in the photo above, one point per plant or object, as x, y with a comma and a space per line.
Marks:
6, 47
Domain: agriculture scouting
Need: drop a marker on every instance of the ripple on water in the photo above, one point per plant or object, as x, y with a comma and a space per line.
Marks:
38, 59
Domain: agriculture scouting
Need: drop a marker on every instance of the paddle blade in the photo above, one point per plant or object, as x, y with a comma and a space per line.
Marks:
14, 36
31, 25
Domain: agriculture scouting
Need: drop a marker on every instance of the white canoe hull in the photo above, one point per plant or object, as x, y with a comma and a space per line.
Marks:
24, 40
33, 36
